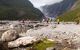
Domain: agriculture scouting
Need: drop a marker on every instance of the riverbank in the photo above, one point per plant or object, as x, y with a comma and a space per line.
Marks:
53, 31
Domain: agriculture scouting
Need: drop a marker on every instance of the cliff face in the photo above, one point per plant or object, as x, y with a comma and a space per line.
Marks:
18, 9
73, 14
76, 5
58, 8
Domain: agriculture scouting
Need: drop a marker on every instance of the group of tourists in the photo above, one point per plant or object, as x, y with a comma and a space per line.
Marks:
47, 20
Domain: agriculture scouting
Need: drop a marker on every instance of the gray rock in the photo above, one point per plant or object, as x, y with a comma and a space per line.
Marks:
9, 35
23, 41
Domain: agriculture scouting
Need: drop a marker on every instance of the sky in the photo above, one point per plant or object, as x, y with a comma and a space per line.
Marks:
39, 3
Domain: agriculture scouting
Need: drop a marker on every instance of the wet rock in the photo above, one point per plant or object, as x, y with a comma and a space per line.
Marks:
23, 41
9, 35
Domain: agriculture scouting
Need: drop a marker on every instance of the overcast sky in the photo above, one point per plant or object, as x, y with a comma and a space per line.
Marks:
38, 3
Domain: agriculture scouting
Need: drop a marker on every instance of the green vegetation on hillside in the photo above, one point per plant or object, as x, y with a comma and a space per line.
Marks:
18, 9
71, 15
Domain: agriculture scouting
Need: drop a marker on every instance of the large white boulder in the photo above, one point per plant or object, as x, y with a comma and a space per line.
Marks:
22, 41
9, 35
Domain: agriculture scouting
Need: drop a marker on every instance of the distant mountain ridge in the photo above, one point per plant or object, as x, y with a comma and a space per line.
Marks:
57, 8
18, 9
73, 14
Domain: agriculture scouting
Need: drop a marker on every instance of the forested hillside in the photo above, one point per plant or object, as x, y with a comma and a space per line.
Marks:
18, 9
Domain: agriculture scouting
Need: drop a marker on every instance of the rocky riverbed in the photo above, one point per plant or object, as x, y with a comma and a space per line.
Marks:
67, 34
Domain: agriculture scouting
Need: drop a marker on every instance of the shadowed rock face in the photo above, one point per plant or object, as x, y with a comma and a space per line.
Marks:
3, 45
58, 8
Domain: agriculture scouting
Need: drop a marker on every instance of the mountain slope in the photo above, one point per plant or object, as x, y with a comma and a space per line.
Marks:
73, 14
57, 8
18, 9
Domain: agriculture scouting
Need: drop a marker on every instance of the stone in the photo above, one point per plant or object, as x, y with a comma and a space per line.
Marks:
23, 41
9, 35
